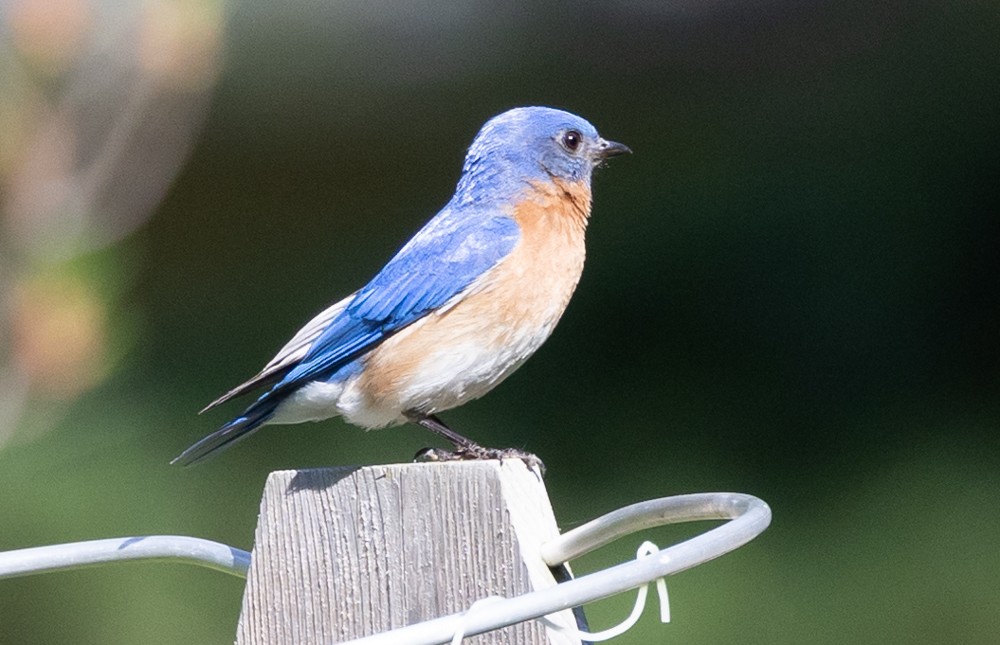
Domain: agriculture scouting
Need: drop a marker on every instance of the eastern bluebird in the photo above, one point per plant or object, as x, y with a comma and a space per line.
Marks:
461, 306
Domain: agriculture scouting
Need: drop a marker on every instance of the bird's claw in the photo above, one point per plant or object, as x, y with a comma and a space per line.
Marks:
477, 452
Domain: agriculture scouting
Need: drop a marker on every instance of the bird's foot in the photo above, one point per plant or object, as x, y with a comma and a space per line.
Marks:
474, 451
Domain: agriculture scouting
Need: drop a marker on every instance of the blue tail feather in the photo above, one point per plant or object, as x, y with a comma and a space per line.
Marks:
228, 435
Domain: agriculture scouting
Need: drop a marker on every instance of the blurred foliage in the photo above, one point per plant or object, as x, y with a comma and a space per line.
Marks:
791, 292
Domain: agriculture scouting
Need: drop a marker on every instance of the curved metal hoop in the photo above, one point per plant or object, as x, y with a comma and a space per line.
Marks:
748, 516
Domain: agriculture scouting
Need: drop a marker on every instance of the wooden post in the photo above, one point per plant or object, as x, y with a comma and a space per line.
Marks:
342, 553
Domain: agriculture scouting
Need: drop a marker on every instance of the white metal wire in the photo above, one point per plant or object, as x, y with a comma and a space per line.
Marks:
61, 557
748, 516
646, 549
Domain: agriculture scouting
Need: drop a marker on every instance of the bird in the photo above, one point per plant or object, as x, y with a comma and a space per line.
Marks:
464, 303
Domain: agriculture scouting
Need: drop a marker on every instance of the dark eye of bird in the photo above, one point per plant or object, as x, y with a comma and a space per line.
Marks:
572, 140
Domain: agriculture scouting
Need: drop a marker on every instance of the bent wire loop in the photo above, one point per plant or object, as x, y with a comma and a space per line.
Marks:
646, 549
748, 516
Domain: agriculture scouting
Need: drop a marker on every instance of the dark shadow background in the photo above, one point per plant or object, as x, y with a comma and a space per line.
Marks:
791, 291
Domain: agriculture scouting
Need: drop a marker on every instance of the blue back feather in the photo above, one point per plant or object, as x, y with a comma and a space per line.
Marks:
441, 261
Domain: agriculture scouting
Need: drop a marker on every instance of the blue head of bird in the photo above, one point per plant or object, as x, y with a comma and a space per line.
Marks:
530, 144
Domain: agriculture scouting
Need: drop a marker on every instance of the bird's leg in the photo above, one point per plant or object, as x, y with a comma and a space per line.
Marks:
437, 426
465, 449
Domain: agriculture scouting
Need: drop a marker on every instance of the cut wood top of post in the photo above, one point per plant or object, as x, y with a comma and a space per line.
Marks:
347, 552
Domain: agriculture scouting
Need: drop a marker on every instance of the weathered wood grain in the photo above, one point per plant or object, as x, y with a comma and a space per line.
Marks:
342, 553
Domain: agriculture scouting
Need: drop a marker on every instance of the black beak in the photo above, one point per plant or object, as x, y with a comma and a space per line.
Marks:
607, 149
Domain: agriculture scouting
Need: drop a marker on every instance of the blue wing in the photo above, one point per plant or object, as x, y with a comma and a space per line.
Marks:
441, 261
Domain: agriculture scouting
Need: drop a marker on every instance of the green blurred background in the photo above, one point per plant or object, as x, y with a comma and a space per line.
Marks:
791, 289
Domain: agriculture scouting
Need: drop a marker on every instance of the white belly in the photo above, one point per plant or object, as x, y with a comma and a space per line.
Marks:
448, 375
447, 378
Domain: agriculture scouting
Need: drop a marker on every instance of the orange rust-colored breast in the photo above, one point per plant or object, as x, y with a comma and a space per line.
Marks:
542, 272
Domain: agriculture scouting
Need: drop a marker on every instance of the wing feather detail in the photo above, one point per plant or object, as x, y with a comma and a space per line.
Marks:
289, 355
